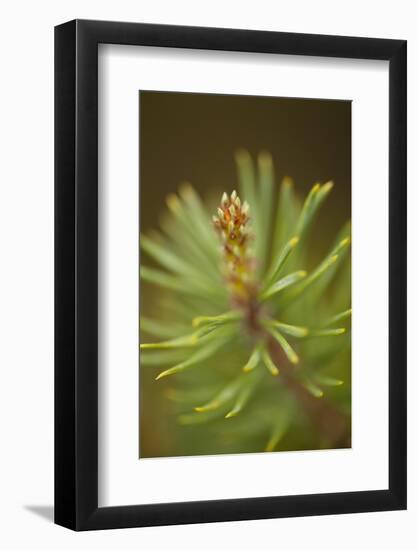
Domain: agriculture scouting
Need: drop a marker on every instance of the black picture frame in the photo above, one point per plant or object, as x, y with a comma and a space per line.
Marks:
76, 272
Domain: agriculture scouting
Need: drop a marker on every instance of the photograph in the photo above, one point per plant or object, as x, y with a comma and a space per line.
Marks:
209, 335
245, 274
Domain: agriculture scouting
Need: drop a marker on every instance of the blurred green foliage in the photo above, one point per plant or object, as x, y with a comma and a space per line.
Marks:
280, 381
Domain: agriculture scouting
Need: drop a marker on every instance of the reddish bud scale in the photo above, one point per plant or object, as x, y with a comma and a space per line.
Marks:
239, 265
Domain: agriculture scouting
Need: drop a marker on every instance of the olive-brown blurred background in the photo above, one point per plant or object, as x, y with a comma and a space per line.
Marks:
193, 137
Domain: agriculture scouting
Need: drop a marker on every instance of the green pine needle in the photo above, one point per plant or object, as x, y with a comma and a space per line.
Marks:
291, 330
288, 350
339, 317
269, 363
283, 283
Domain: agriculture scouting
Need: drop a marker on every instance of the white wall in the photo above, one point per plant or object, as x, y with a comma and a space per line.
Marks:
26, 289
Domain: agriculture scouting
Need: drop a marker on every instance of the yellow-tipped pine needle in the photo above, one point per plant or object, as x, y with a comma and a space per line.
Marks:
282, 423
285, 282
211, 347
173, 202
308, 209
328, 262
327, 380
275, 438
214, 404
288, 350
328, 332
225, 395
313, 389
182, 342
292, 330
339, 317
241, 401
270, 365
253, 361
282, 258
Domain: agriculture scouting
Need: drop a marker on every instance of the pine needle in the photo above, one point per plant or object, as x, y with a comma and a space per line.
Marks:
276, 267
159, 329
241, 401
254, 359
312, 388
161, 358
189, 340
311, 205
225, 395
266, 190
247, 186
281, 423
328, 332
327, 380
268, 362
201, 355
288, 350
285, 282
229, 317
171, 282
328, 263
339, 317
286, 216
292, 330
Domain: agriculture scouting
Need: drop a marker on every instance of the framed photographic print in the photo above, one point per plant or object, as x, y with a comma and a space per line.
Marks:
230, 275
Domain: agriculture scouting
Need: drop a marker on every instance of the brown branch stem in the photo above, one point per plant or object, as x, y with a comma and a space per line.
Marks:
332, 425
